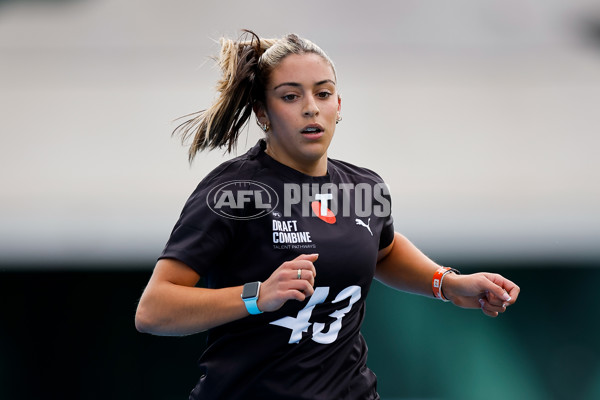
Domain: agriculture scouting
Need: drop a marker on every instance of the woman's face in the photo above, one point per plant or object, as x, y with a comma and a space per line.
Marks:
301, 108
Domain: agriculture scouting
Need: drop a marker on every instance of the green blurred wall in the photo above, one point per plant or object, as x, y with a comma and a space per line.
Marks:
70, 335
543, 347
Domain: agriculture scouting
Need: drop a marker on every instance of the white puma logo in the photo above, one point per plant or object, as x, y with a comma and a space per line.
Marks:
359, 222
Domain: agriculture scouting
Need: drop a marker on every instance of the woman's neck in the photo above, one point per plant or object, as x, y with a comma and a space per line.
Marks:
314, 168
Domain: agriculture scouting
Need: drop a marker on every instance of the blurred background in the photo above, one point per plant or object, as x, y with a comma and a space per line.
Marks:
481, 116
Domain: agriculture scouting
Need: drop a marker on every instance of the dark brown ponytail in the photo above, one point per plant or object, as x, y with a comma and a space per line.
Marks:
220, 125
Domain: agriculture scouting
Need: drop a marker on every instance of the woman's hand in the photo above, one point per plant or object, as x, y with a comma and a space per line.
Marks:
490, 292
293, 280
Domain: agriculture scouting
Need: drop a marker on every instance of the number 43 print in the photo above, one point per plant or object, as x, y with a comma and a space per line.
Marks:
301, 322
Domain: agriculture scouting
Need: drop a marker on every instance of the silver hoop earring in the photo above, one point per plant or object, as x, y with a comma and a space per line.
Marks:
265, 127
337, 121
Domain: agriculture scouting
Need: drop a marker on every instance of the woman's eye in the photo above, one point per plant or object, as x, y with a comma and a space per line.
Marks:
323, 95
289, 97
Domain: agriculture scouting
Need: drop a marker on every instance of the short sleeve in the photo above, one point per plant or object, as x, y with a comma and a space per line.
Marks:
387, 231
200, 236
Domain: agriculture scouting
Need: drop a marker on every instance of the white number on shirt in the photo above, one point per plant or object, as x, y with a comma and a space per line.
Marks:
301, 322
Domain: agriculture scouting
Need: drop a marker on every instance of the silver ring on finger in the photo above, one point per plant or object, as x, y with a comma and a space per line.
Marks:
299, 273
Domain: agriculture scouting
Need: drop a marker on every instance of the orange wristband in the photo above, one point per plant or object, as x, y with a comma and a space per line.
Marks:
438, 279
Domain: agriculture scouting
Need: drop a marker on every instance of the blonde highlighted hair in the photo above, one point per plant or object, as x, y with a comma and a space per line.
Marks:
246, 65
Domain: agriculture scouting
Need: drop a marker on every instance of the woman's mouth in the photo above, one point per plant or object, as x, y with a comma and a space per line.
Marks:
312, 131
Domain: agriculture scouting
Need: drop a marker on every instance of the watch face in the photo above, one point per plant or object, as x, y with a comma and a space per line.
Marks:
250, 290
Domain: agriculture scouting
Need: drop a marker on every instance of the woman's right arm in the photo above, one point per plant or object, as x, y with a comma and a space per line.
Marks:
171, 305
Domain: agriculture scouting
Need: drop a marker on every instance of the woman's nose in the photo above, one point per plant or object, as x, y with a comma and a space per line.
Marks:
310, 108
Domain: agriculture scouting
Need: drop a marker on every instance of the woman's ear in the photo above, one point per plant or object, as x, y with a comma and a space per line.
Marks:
262, 119
261, 113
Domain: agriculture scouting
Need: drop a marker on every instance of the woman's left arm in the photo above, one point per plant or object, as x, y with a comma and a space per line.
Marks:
403, 266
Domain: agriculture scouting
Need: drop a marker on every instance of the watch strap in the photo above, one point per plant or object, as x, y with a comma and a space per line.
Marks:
251, 304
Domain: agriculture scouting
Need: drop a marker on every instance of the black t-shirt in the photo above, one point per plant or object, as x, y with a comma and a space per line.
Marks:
245, 219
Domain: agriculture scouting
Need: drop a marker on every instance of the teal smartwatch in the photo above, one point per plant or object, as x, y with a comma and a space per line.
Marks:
250, 296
